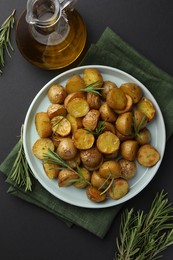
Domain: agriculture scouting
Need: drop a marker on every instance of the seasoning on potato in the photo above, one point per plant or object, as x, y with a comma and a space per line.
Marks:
93, 134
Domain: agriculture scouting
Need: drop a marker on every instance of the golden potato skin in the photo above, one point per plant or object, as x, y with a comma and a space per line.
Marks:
78, 107
57, 94
98, 181
147, 155
116, 99
65, 178
66, 149
92, 75
82, 139
41, 146
128, 168
107, 86
128, 149
110, 169
94, 194
107, 113
119, 189
146, 106
56, 110
90, 120
74, 84
43, 124
124, 123
93, 100
84, 180
133, 90
144, 136
91, 158
51, 170
108, 143
61, 126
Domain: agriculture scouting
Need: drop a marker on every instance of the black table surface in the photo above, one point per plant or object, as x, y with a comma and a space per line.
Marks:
26, 231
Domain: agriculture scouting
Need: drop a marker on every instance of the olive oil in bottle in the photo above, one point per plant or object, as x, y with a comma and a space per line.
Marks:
49, 37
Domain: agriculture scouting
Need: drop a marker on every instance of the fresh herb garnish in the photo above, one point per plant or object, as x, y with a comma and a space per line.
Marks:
20, 171
99, 129
5, 43
145, 236
93, 88
55, 158
139, 127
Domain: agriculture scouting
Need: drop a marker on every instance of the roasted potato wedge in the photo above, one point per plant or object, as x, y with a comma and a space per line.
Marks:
92, 75
147, 155
43, 124
61, 126
90, 120
107, 113
66, 149
119, 189
128, 168
57, 94
41, 146
94, 194
128, 149
110, 169
51, 170
74, 84
116, 99
133, 90
56, 110
124, 123
91, 158
147, 108
78, 107
83, 139
93, 100
108, 143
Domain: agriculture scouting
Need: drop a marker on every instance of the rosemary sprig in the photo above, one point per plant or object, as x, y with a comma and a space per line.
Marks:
93, 88
5, 43
145, 236
55, 158
138, 128
20, 171
99, 129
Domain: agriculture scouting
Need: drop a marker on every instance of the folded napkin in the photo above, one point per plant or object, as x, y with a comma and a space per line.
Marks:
110, 50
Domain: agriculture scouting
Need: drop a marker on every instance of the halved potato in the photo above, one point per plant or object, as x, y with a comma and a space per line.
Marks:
78, 107
116, 99
110, 169
133, 90
56, 94
147, 108
83, 139
128, 149
128, 105
128, 168
76, 122
66, 149
119, 189
107, 113
93, 100
56, 110
94, 194
61, 126
148, 155
41, 147
108, 143
74, 84
67, 178
43, 124
107, 86
51, 170
124, 123
91, 158
90, 120
92, 75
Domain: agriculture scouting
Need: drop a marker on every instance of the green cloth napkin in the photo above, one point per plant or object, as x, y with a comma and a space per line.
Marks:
110, 50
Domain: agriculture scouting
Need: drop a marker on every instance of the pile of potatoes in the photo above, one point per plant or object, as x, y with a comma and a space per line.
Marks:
101, 136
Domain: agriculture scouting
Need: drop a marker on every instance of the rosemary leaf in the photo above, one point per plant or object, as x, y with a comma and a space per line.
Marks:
93, 88
5, 43
145, 236
20, 173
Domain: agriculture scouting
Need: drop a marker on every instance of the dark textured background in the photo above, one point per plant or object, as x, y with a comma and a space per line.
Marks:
28, 232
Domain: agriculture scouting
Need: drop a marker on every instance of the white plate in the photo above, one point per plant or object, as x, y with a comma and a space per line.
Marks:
77, 196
